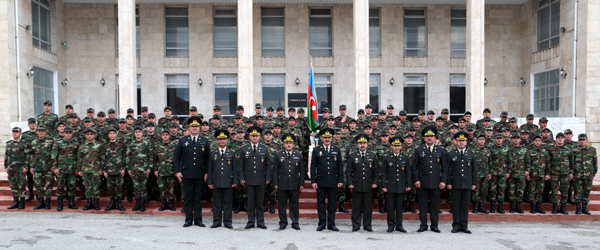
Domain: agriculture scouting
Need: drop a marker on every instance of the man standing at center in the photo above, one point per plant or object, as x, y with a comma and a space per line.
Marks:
429, 173
362, 172
463, 180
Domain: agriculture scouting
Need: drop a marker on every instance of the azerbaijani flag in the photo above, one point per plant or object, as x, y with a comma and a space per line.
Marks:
313, 114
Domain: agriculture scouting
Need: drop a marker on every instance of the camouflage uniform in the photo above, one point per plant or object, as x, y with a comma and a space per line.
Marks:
28, 137
586, 167
164, 154
49, 121
498, 169
15, 160
381, 150
139, 160
41, 160
537, 163
152, 182
561, 166
113, 157
64, 158
483, 158
274, 147
408, 151
89, 163
240, 190
163, 123
344, 147
516, 165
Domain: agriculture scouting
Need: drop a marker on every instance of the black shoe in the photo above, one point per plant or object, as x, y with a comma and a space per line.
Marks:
249, 226
482, 208
129, 195
421, 229
171, 207
183, 210
584, 209
262, 226
229, 226
454, 230
320, 228
200, 224
436, 230
164, 205
538, 208
142, 205
500, 209
111, 206
82, 197
532, 205
493, 207
137, 205
89, 205
411, 207
342, 208
333, 228
466, 230
401, 229
245, 206
570, 199
354, 229
60, 204
369, 229
215, 225
518, 208
450, 207
554, 208
47, 204
120, 204
30, 197
578, 209
272, 207
563, 208
512, 207
148, 195
15, 203
390, 229
282, 227
475, 207
96, 203
265, 206
187, 224
297, 227
72, 203
380, 203
22, 203
237, 207
157, 196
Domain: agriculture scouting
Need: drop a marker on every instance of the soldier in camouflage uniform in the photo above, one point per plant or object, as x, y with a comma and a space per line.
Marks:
529, 125
40, 161
543, 123
240, 191
112, 121
164, 122
572, 145
28, 137
381, 149
113, 156
516, 166
343, 192
125, 135
48, 119
87, 124
139, 161
561, 172
68, 112
89, 167
64, 164
500, 173
537, 164
586, 167
153, 138
15, 164
342, 118
164, 153
503, 123
408, 149
296, 132
75, 125
483, 158
480, 123
274, 145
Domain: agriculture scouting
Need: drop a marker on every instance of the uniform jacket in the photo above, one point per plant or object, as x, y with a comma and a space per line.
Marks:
463, 169
395, 173
288, 173
223, 171
362, 173
255, 167
430, 168
326, 168
191, 159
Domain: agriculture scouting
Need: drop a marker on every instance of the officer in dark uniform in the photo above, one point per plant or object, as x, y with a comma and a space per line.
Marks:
223, 176
192, 156
288, 167
255, 173
463, 179
395, 182
362, 173
429, 173
327, 175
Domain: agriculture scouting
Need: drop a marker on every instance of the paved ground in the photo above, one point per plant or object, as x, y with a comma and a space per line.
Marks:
104, 231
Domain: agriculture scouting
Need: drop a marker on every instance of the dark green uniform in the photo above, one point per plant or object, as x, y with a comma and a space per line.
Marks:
498, 169
15, 161
537, 164
586, 167
41, 161
483, 158
64, 158
140, 159
516, 155
114, 156
164, 154
89, 163
49, 121
561, 167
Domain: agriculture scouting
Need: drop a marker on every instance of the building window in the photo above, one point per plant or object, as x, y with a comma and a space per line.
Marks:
273, 90
546, 93
548, 24
414, 93
226, 93
273, 32
321, 32
374, 33
43, 89
458, 91
323, 87
139, 96
177, 33
225, 37
41, 24
458, 33
178, 93
374, 80
137, 30
415, 33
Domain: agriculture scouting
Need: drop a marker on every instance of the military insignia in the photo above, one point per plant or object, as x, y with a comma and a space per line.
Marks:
194, 123
461, 137
186, 144
327, 134
468, 164
262, 160
320, 153
370, 165
296, 164
335, 158
438, 159
402, 168
391, 164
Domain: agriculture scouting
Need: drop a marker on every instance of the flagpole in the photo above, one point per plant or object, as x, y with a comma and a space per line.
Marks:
317, 131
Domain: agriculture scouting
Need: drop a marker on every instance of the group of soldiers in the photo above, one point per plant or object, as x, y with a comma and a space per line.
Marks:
518, 164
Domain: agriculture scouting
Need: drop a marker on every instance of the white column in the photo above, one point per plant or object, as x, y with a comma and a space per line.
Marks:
127, 57
245, 47
589, 62
475, 56
360, 37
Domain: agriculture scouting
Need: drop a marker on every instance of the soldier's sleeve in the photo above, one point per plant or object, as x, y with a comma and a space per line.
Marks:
79, 159
127, 158
509, 162
349, 173
375, 170
268, 165
527, 162
151, 157
176, 157
548, 164
414, 162
236, 166
384, 169
302, 170
103, 158
340, 166
276, 170
6, 156
242, 169
488, 168
53, 155
209, 171
313, 166
571, 162
474, 171
445, 168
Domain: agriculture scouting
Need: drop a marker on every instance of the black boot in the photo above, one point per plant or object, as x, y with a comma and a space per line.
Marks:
82, 188
47, 203
272, 207
245, 206
30, 197
578, 209
475, 207
129, 195
208, 194
40, 204
15, 203
237, 207
347, 192
111, 206
518, 208
411, 206
157, 196
554, 208
164, 205
266, 206
178, 197
493, 207
512, 207
120, 204
404, 204
570, 199
380, 202
482, 207
384, 206
171, 207
96, 203
342, 208
148, 196
89, 205
532, 205
143, 206
137, 205
22, 203
451, 208
538, 208
583, 209
500, 209
60, 204
72, 203
563, 208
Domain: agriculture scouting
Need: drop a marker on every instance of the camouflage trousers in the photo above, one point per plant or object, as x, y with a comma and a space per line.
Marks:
167, 185
152, 183
555, 182
140, 180
240, 192
114, 186
91, 182
68, 182
16, 182
412, 194
497, 188
341, 193
583, 187
449, 192
43, 181
380, 194
127, 182
270, 192
517, 188
480, 193
30, 180
535, 189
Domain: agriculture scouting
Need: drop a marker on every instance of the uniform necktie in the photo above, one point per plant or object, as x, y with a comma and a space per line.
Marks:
429, 149
222, 153
254, 148
289, 155
462, 153
194, 138
363, 156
